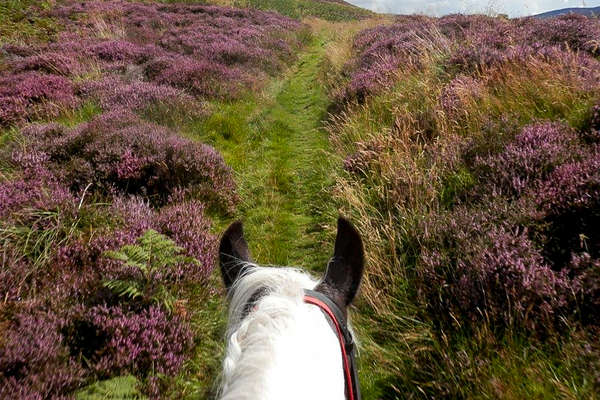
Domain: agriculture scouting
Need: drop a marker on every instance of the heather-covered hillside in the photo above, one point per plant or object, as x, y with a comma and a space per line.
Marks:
471, 158
466, 149
105, 207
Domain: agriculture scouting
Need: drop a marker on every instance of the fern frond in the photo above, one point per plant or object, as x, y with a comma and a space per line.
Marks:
125, 288
152, 252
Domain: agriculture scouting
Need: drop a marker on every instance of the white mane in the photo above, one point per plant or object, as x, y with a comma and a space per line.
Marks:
284, 348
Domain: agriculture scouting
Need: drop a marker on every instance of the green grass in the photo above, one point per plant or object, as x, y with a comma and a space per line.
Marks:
309, 8
278, 150
21, 20
83, 113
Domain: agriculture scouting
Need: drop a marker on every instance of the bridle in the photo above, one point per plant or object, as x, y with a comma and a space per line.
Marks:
340, 327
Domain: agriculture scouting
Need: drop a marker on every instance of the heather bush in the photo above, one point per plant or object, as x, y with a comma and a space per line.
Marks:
522, 252
384, 49
591, 129
37, 213
36, 189
118, 341
32, 95
118, 151
201, 78
595, 119
63, 63
570, 200
458, 93
112, 93
529, 158
188, 226
474, 266
34, 361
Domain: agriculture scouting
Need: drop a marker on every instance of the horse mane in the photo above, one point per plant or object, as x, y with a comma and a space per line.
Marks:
270, 351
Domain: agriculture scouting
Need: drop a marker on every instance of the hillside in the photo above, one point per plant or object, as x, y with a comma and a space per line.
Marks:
465, 149
590, 12
332, 10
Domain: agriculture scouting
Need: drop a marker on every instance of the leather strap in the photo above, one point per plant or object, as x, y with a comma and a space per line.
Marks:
340, 327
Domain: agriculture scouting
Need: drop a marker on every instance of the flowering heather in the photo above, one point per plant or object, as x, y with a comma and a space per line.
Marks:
119, 151
573, 185
33, 95
570, 200
591, 132
532, 156
461, 89
37, 189
465, 44
50, 62
489, 271
186, 224
201, 78
138, 96
525, 251
34, 362
143, 343
210, 46
595, 120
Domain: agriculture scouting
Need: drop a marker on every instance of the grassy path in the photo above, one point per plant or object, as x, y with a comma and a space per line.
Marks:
279, 153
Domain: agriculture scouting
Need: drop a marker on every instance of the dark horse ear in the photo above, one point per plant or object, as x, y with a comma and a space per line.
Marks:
345, 270
233, 253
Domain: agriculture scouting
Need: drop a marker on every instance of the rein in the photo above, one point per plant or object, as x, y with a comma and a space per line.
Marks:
340, 327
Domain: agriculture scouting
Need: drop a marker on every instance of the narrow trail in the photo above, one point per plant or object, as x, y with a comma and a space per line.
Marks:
282, 169
279, 152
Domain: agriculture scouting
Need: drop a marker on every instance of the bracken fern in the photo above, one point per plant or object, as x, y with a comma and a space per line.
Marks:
153, 255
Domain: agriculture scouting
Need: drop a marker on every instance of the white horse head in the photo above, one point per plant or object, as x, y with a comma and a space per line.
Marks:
278, 346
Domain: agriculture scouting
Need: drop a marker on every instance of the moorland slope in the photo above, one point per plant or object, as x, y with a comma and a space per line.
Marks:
466, 150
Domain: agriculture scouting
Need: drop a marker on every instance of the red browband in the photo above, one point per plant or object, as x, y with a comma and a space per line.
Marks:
348, 372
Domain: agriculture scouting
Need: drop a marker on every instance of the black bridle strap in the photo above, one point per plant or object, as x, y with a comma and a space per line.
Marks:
340, 326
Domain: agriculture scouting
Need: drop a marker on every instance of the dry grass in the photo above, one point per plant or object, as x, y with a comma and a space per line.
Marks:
411, 144
339, 36
408, 144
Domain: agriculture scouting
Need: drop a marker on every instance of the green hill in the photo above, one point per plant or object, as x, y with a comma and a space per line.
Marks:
332, 10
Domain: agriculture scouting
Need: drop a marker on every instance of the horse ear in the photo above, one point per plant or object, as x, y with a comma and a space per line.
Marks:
345, 270
233, 253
